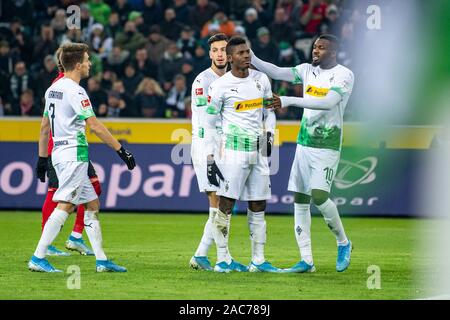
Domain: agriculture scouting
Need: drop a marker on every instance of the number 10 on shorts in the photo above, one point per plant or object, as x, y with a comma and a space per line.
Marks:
328, 175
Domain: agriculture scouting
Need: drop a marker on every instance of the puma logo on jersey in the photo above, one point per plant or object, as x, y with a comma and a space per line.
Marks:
235, 90
316, 92
248, 105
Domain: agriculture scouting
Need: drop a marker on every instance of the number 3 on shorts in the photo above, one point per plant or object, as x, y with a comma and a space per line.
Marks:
328, 175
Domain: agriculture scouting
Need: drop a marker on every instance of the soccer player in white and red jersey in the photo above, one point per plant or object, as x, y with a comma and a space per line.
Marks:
75, 241
67, 111
237, 99
327, 86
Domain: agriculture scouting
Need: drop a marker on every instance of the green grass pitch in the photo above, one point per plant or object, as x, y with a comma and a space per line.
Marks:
156, 249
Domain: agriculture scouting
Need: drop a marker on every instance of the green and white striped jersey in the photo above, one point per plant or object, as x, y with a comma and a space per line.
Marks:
67, 106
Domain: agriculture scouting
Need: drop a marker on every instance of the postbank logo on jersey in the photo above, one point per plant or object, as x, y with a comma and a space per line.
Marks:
241, 106
317, 92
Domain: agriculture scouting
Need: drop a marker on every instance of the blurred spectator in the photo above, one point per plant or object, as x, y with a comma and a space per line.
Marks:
72, 35
19, 82
22, 9
138, 20
46, 76
281, 29
144, 65
21, 41
201, 60
116, 59
86, 21
116, 106
100, 11
2, 108
119, 87
4, 90
291, 7
240, 31
7, 58
123, 9
26, 105
175, 97
202, 12
131, 78
170, 27
98, 96
45, 45
58, 22
287, 56
220, 19
251, 23
182, 11
152, 12
187, 42
262, 7
130, 39
108, 78
170, 65
149, 99
264, 46
187, 70
156, 45
99, 42
331, 23
188, 107
312, 15
113, 27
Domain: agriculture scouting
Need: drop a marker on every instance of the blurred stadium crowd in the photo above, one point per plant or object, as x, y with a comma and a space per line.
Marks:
146, 53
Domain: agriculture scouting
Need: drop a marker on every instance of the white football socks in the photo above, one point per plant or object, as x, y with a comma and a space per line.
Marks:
52, 228
302, 229
331, 215
257, 228
221, 240
94, 232
207, 238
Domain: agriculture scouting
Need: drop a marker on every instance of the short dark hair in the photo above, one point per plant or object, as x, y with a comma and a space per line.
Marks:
73, 53
217, 37
233, 42
331, 38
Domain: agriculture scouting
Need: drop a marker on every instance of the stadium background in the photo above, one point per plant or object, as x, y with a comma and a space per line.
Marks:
145, 55
398, 134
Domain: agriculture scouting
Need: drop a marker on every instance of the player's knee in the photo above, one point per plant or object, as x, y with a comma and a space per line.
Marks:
257, 206
319, 197
93, 205
226, 205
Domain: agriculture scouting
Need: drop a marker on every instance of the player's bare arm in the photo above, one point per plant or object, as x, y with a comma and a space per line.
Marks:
102, 132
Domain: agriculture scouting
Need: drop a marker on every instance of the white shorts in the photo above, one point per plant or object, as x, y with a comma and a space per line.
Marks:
313, 168
198, 155
247, 175
74, 184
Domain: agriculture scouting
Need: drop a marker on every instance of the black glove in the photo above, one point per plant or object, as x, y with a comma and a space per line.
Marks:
41, 168
213, 172
127, 157
267, 146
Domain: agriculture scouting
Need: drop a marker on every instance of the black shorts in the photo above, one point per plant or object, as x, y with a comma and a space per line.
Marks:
53, 179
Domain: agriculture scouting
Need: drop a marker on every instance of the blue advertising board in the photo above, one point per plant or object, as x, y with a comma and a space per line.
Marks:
367, 182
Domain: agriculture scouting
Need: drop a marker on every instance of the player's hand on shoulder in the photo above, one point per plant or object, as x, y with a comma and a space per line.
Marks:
127, 157
41, 168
